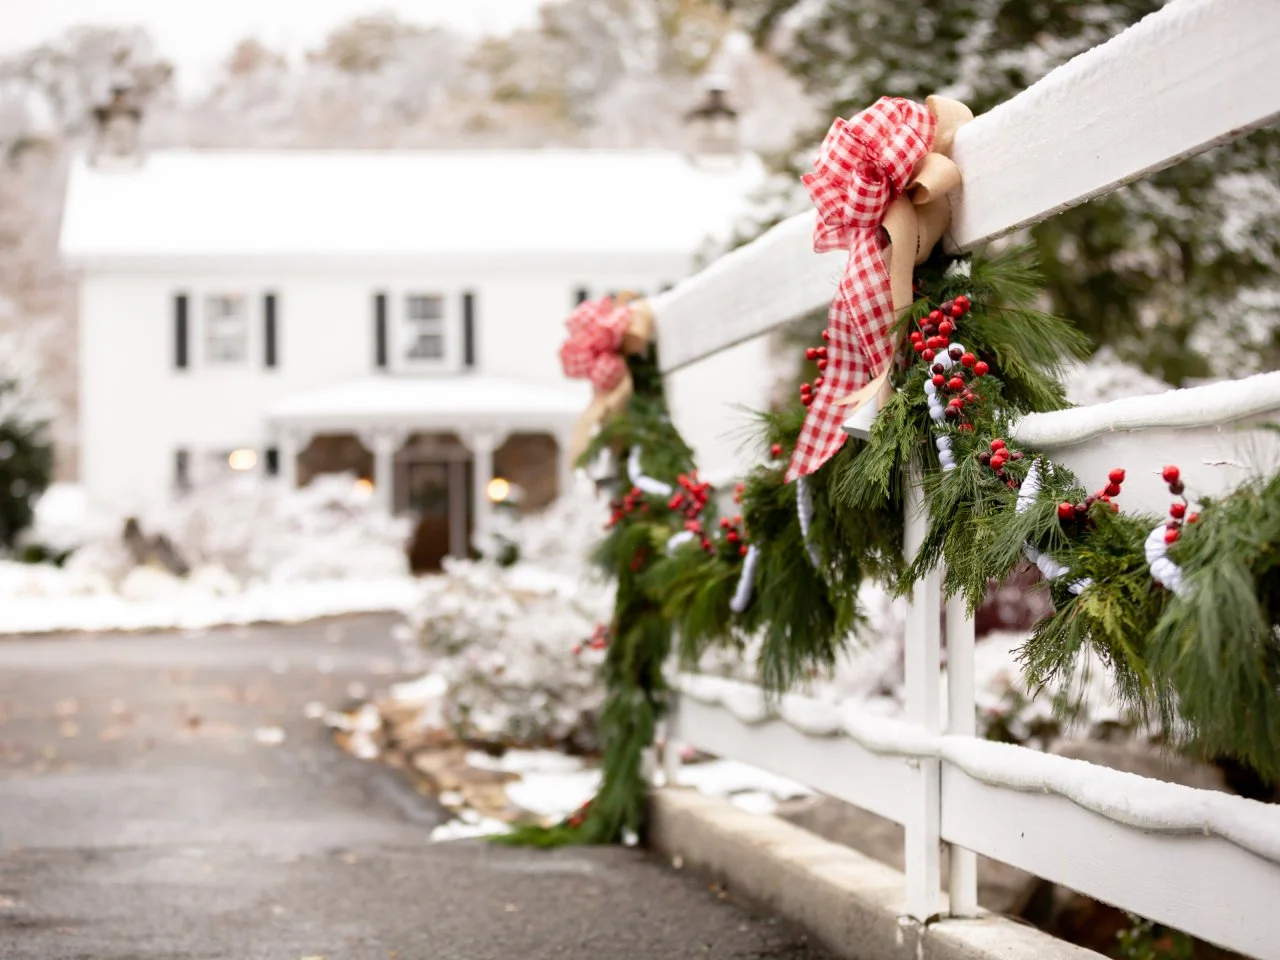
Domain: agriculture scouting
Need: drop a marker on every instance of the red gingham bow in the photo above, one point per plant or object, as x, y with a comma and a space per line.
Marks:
865, 163
593, 350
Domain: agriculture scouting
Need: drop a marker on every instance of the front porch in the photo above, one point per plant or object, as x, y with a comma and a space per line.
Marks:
447, 450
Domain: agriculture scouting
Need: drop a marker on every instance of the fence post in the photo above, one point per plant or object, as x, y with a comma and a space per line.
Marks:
922, 667
961, 722
670, 749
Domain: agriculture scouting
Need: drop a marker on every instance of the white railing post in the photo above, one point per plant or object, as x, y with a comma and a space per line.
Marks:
670, 749
961, 722
922, 667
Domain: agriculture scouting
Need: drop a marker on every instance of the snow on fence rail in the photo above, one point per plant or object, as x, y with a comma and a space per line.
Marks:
1195, 74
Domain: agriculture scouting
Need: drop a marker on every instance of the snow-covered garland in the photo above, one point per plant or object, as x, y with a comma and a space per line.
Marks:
794, 586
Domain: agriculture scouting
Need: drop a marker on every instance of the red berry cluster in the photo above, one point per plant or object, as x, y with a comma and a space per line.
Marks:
734, 535
692, 500
998, 457
819, 356
1079, 512
1177, 511
599, 640
933, 337
634, 500
936, 329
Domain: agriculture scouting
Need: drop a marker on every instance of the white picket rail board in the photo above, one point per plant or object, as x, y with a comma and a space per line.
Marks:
1195, 74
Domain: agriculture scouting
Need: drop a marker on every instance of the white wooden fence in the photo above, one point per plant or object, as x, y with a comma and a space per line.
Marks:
1196, 74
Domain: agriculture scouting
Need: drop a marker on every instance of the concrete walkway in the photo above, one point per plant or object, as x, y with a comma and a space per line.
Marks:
142, 817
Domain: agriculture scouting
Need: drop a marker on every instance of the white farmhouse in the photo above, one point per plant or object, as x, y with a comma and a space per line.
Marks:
394, 314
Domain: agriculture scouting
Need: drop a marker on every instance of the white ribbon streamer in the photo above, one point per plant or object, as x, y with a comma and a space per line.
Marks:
678, 540
1162, 568
647, 484
1049, 568
804, 507
746, 581
939, 413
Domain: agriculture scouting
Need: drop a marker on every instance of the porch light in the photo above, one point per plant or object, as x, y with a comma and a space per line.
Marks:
498, 490
364, 486
242, 460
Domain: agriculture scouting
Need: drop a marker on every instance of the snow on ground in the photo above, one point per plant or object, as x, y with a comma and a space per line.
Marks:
257, 553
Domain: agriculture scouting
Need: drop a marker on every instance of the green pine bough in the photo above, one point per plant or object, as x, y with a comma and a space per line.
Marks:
1203, 663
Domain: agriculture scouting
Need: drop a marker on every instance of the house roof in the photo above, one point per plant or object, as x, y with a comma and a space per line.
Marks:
435, 402
400, 203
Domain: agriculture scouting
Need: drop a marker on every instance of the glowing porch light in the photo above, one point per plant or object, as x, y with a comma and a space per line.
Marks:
498, 489
242, 460
364, 486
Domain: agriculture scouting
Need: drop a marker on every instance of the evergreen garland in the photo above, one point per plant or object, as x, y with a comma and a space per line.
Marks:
1203, 662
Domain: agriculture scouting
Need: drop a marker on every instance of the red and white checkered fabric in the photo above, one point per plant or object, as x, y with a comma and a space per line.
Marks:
864, 164
593, 350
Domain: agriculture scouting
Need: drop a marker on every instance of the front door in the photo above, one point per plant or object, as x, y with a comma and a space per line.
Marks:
435, 491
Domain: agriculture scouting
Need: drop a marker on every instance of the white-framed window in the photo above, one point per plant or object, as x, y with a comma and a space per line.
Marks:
424, 318
226, 329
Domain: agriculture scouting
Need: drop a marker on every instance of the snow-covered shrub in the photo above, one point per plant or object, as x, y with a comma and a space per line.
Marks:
510, 648
242, 531
507, 648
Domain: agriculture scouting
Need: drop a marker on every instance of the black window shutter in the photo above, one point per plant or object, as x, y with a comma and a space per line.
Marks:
273, 461
180, 331
182, 470
580, 295
380, 329
469, 329
269, 324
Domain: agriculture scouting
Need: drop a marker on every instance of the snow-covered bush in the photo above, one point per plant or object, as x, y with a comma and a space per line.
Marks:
511, 651
245, 530
506, 649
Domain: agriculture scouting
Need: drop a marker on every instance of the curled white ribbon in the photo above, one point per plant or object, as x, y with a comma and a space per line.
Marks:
938, 412
1049, 568
1162, 568
647, 484
804, 507
746, 581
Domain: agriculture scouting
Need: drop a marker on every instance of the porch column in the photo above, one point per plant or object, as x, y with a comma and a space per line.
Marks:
384, 443
458, 546
291, 444
482, 445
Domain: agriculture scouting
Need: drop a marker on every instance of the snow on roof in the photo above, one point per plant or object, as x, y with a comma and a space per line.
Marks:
352, 203
434, 401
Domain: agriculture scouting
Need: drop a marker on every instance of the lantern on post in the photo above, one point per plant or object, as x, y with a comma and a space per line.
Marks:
713, 127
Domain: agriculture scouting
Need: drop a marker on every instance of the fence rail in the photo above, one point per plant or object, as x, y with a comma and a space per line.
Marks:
1193, 75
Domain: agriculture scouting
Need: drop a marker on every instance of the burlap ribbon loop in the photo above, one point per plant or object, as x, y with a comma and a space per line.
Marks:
602, 333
